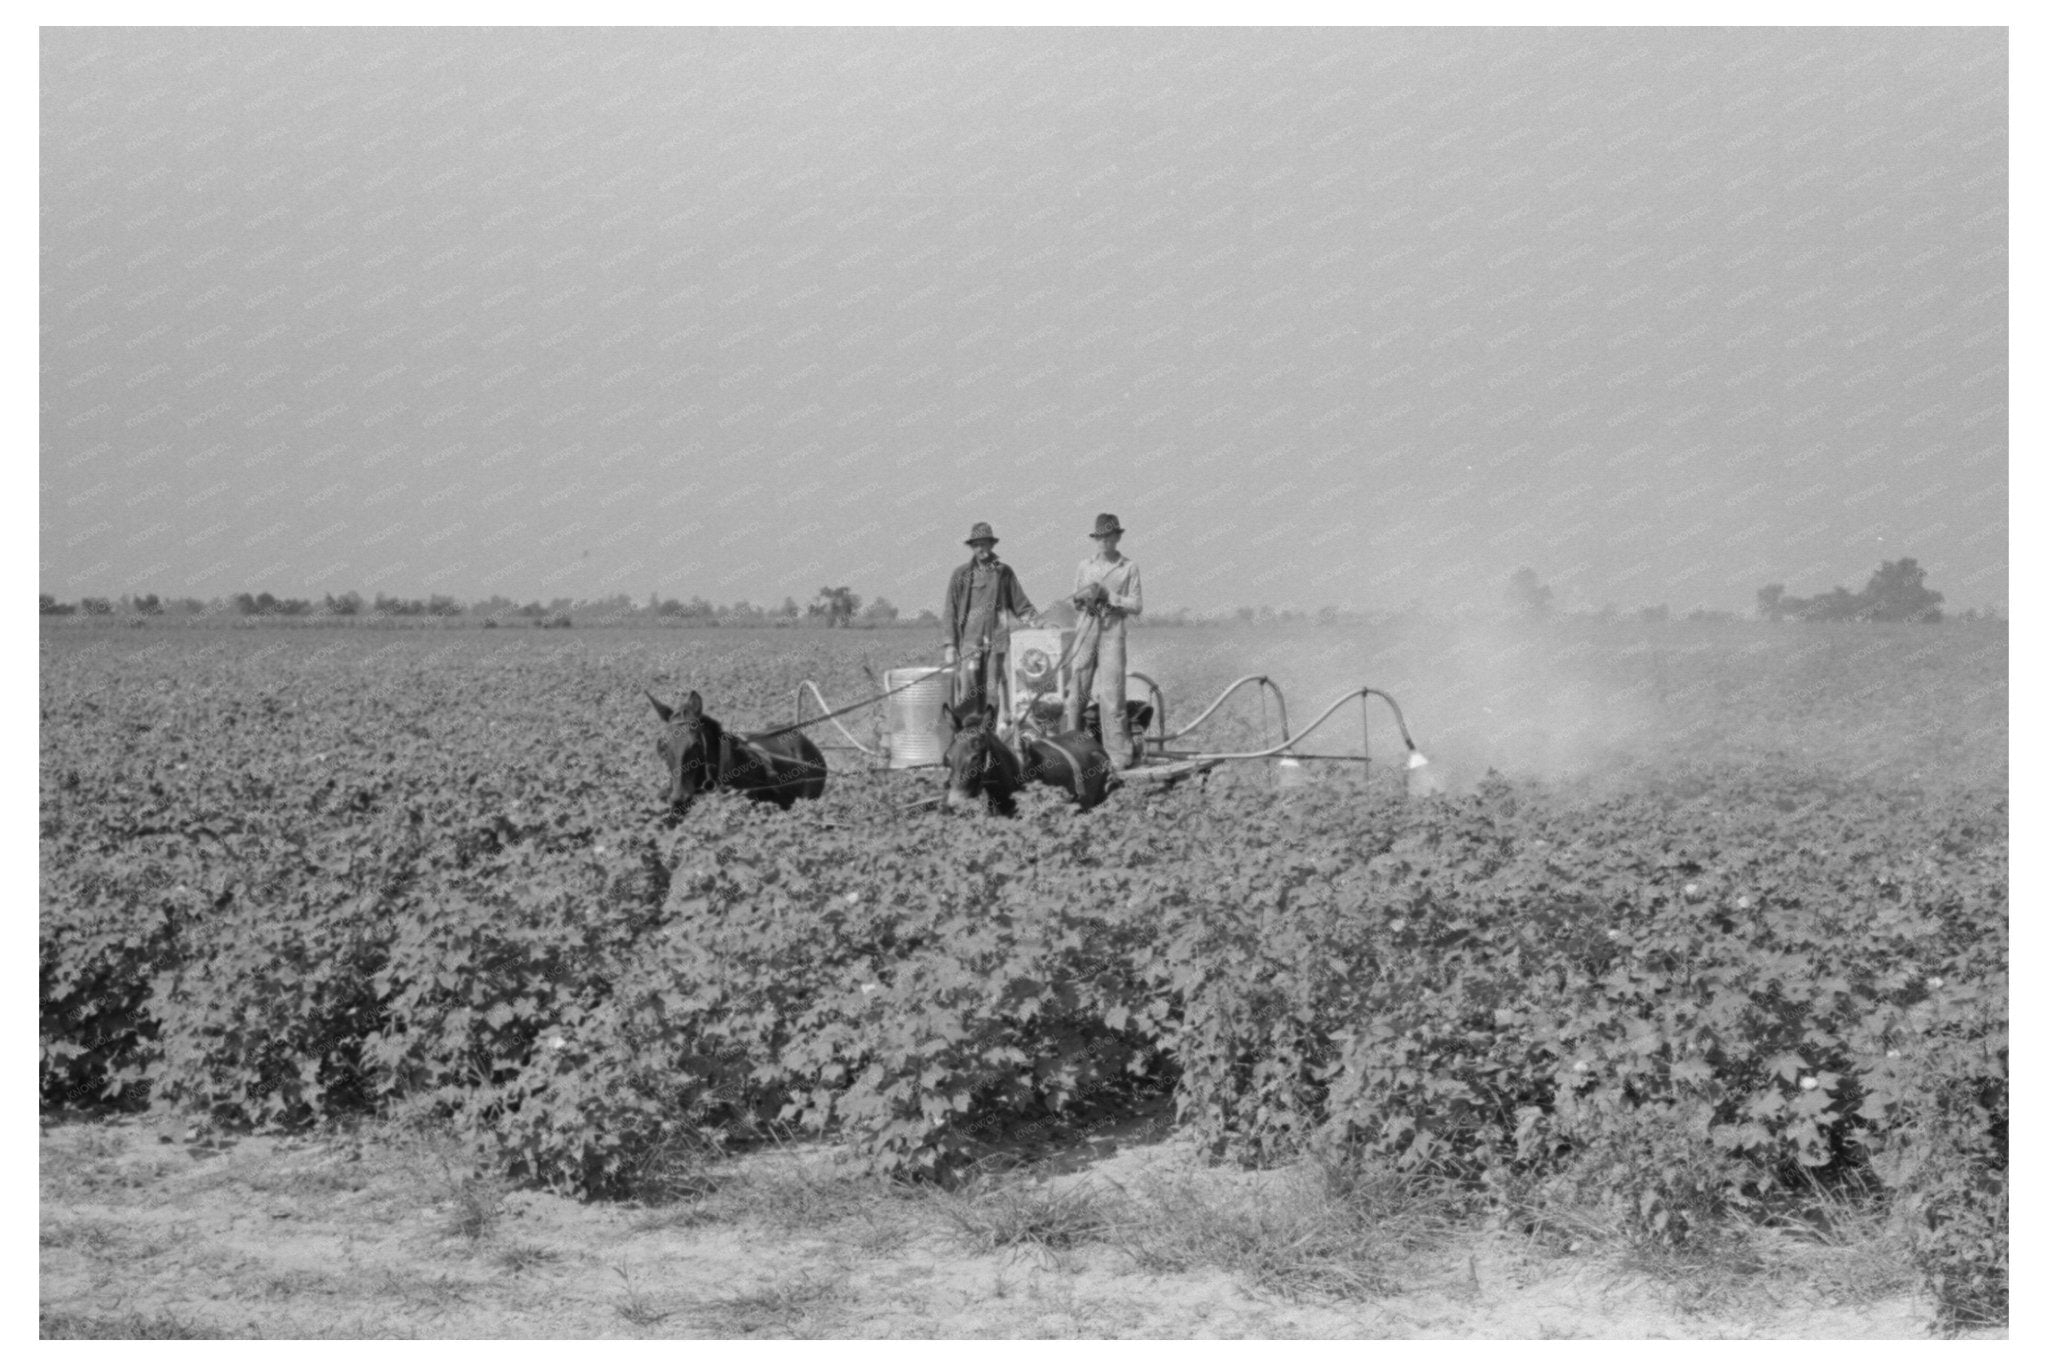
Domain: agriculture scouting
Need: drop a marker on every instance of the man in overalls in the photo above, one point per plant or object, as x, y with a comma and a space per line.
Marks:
977, 596
1106, 591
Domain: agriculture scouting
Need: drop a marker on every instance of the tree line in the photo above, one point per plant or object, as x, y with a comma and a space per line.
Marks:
832, 607
1896, 592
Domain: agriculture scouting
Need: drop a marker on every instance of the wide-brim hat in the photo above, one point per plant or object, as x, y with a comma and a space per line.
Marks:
982, 532
1106, 524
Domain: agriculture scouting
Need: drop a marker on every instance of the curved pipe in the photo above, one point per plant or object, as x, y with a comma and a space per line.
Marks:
1270, 686
829, 715
1394, 707
1415, 761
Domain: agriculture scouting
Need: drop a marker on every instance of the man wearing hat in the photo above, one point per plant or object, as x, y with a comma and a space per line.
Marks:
977, 596
1106, 591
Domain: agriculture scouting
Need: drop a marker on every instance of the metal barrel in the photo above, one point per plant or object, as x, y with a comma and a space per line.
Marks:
917, 728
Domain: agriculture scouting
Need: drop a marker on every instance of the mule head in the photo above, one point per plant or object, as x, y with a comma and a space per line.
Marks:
685, 748
974, 757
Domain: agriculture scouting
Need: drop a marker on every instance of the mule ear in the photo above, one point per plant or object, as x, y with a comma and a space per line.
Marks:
988, 719
659, 710
946, 710
693, 705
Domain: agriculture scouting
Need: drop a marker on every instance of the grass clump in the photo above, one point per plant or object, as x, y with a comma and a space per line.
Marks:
993, 1217
59, 1325
790, 1307
519, 1257
1324, 1230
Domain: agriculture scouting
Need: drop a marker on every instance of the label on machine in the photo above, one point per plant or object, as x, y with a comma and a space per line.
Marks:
1037, 674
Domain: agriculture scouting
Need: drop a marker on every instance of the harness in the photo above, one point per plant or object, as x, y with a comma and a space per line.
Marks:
764, 759
1073, 764
719, 761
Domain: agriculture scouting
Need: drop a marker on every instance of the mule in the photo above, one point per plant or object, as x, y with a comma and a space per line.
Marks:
981, 767
703, 756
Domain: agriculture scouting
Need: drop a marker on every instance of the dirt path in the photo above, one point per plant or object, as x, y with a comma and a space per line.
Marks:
385, 1237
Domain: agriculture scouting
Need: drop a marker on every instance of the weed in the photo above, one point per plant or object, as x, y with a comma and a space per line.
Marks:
878, 1237
478, 1204
990, 1219
635, 1308
431, 1293
778, 1310
1713, 1271
1546, 1333
1847, 1250
787, 1195
525, 1257
55, 1324
688, 1214
1325, 1231
288, 1284
90, 1237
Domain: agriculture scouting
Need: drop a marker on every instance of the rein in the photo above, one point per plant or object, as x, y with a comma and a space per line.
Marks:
835, 715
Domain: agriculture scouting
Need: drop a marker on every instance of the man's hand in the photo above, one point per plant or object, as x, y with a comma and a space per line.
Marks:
952, 656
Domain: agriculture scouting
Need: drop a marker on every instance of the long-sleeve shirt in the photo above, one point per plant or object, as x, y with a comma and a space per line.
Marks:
976, 597
1119, 579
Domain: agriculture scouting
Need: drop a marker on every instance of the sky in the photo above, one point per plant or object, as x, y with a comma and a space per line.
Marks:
1362, 318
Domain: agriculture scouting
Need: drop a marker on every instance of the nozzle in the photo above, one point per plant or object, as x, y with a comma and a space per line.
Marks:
1415, 760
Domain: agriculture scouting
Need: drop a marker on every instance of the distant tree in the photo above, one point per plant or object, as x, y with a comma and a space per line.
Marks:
1527, 594
1898, 592
1247, 614
1658, 612
96, 607
442, 605
837, 606
615, 608
927, 617
1837, 604
790, 609
880, 610
50, 607
398, 607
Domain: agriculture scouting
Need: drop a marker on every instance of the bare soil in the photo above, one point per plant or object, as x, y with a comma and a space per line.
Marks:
1127, 1234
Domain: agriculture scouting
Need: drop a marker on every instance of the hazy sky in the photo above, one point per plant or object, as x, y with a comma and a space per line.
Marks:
1357, 317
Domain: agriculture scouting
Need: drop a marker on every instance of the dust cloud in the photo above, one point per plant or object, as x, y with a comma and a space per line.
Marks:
1575, 700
